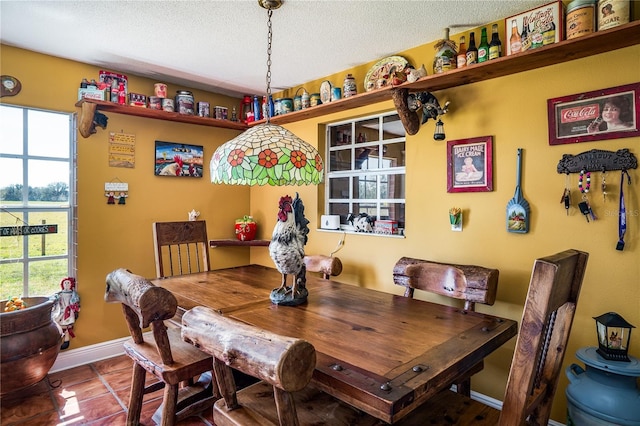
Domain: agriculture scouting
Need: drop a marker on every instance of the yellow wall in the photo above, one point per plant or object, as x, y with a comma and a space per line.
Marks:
511, 109
514, 111
115, 236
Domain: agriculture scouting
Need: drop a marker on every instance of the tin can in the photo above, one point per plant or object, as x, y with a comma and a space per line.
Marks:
155, 102
297, 103
314, 99
349, 86
612, 13
203, 109
277, 106
305, 100
581, 18
335, 94
160, 90
184, 102
167, 105
286, 105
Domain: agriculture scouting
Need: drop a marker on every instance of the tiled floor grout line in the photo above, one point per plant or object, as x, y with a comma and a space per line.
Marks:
109, 388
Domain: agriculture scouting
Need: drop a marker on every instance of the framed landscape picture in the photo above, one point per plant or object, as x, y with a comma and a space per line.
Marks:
178, 159
611, 113
470, 165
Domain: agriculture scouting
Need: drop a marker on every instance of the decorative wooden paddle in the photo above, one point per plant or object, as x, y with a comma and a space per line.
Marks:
518, 207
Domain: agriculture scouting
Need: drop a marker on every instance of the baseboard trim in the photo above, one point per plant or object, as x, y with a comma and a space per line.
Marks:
87, 354
497, 404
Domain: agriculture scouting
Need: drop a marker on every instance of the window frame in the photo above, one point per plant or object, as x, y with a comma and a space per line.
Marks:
380, 175
27, 207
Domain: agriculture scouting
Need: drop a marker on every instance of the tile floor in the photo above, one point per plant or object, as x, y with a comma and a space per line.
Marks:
91, 394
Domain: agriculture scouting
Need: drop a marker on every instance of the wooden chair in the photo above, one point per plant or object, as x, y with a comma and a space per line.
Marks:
180, 247
328, 266
537, 361
283, 364
161, 352
470, 283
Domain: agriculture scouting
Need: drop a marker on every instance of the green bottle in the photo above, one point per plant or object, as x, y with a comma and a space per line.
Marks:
483, 48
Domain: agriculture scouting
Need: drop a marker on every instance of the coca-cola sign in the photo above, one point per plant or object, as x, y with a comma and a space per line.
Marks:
580, 113
611, 113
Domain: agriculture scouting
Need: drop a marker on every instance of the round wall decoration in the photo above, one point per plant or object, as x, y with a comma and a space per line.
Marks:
10, 86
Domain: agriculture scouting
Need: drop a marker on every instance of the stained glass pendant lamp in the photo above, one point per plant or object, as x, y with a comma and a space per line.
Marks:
267, 153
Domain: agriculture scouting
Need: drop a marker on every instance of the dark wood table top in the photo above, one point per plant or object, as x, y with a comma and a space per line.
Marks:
382, 353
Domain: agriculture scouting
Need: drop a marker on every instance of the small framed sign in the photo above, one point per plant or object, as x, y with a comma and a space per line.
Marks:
178, 159
470, 165
611, 113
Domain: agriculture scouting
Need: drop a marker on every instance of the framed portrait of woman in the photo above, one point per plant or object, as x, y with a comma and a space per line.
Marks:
470, 165
611, 113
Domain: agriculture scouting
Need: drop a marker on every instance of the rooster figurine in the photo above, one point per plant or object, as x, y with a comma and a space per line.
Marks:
287, 251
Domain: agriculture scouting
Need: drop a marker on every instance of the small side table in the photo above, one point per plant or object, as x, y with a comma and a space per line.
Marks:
606, 393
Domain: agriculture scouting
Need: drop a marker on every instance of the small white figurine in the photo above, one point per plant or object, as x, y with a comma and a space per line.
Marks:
193, 215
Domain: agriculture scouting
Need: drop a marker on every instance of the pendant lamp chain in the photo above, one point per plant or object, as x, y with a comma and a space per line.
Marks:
269, 40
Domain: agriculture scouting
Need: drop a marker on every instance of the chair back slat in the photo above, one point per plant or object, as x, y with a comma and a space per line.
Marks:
143, 305
328, 266
471, 283
544, 332
180, 247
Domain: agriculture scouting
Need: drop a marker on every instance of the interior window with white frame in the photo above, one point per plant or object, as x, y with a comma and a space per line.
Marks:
366, 171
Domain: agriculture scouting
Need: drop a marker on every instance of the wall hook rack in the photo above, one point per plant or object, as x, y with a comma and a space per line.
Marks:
598, 160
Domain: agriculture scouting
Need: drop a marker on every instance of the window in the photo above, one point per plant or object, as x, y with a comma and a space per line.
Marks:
37, 186
366, 168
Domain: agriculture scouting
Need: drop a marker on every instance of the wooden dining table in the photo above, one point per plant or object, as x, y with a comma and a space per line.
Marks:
382, 353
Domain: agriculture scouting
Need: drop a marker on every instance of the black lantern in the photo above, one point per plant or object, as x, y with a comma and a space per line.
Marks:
613, 336
439, 132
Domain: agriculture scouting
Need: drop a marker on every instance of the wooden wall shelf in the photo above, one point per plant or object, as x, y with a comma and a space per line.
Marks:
238, 243
567, 50
162, 115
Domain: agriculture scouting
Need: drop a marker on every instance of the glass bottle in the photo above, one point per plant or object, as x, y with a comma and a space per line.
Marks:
525, 37
265, 108
271, 107
122, 94
462, 53
515, 42
483, 48
114, 91
472, 51
257, 109
549, 34
245, 108
495, 46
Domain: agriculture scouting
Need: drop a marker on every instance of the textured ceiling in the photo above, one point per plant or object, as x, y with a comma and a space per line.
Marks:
221, 46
